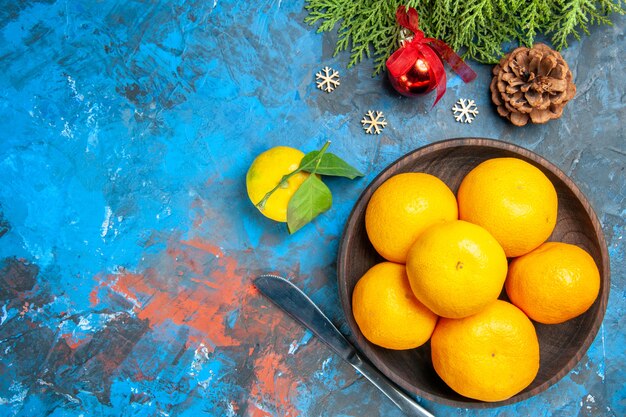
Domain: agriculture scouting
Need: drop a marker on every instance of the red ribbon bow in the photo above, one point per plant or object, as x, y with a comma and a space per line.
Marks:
433, 50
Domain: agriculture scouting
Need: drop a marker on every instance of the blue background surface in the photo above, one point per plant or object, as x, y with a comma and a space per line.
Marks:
127, 242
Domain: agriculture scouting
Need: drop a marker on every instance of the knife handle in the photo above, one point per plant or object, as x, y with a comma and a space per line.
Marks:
405, 403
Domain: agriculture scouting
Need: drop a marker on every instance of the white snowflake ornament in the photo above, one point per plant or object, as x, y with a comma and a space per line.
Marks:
465, 111
327, 79
374, 124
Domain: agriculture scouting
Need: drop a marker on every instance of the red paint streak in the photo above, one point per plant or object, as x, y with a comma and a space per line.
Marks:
254, 411
234, 406
202, 299
111, 282
204, 246
207, 283
139, 375
129, 284
274, 385
72, 342
93, 295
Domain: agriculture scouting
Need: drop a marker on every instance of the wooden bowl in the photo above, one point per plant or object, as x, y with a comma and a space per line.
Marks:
561, 345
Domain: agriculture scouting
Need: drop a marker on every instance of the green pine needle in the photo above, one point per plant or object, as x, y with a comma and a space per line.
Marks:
367, 28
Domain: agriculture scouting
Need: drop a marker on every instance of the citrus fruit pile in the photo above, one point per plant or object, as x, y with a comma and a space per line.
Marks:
447, 259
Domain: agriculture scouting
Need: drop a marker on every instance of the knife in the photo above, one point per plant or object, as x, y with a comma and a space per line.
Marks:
295, 303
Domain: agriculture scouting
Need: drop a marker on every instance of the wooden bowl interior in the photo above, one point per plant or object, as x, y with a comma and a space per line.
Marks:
561, 346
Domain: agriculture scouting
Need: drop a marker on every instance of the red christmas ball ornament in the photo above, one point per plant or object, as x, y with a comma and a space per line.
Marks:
416, 81
417, 67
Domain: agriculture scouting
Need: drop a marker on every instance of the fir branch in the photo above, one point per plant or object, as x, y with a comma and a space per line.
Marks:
533, 17
564, 25
367, 28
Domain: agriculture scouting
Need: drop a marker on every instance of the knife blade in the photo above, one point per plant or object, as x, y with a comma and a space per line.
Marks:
300, 307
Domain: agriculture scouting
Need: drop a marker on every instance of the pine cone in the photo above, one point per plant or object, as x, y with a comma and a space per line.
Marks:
532, 83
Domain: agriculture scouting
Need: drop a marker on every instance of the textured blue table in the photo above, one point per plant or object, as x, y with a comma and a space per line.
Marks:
128, 243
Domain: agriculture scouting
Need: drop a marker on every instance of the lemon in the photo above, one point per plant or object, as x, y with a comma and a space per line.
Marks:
489, 356
266, 172
513, 200
456, 268
402, 208
553, 283
387, 312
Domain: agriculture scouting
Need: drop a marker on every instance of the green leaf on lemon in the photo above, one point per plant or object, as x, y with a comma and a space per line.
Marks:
311, 199
329, 164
